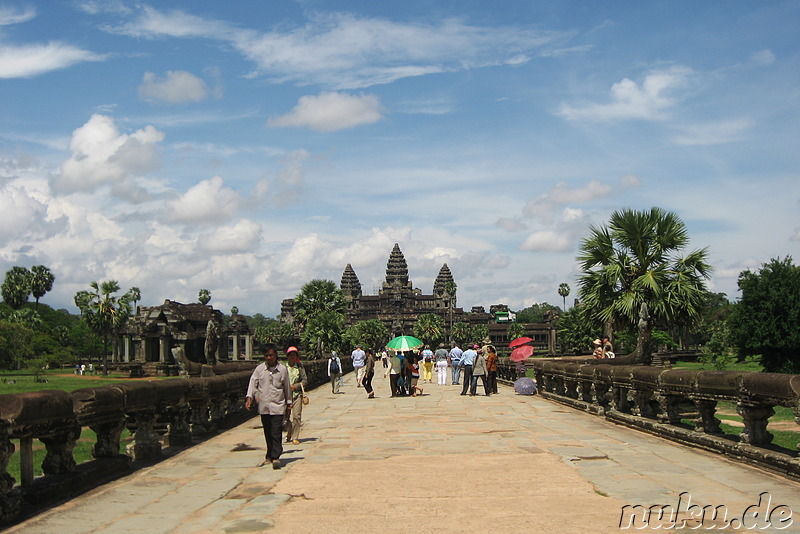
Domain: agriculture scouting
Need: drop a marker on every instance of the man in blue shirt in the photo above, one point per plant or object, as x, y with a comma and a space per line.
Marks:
467, 360
359, 360
455, 363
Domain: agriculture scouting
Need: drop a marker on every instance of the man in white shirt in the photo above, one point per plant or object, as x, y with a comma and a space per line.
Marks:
270, 387
359, 360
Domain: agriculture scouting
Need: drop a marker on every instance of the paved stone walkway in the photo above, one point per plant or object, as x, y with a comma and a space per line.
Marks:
436, 463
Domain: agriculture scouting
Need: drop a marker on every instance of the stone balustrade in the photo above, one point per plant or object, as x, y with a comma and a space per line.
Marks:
660, 401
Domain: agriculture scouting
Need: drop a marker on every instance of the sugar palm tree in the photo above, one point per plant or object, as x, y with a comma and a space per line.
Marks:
134, 295
103, 311
318, 296
563, 292
634, 261
16, 287
429, 328
324, 332
41, 281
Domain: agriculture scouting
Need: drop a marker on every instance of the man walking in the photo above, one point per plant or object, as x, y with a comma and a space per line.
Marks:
270, 387
359, 360
335, 371
441, 365
467, 361
455, 363
298, 380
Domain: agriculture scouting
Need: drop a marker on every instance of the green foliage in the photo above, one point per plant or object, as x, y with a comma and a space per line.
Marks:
478, 333
278, 333
563, 292
515, 330
766, 320
16, 287
371, 334
324, 333
259, 319
103, 311
429, 328
204, 296
16, 344
316, 297
718, 351
461, 332
576, 331
535, 313
41, 281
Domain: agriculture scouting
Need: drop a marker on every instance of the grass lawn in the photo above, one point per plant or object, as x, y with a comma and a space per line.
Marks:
750, 364
21, 382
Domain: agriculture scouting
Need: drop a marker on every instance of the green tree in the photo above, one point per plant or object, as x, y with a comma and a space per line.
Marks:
16, 344
429, 328
478, 333
634, 261
515, 330
204, 296
41, 280
16, 287
103, 311
316, 297
563, 292
135, 295
324, 332
535, 313
766, 320
718, 351
450, 289
372, 333
278, 333
460, 332
576, 331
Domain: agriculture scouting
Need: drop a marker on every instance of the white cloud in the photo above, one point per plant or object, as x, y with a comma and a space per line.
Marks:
102, 155
547, 241
629, 100
763, 58
796, 235
9, 15
713, 133
511, 225
542, 207
32, 60
23, 215
177, 87
244, 236
629, 181
345, 51
207, 202
330, 112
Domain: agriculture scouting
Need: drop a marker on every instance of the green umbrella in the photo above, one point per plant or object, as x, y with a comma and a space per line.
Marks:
404, 343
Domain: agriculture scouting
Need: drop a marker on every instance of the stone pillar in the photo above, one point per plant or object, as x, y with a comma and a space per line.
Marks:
248, 349
180, 433
707, 422
6, 451
235, 355
146, 441
108, 437
59, 446
126, 348
755, 419
163, 348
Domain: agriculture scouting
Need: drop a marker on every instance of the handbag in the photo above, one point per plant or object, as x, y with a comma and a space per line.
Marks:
305, 398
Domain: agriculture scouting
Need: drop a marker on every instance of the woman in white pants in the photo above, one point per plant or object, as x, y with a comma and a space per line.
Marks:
441, 370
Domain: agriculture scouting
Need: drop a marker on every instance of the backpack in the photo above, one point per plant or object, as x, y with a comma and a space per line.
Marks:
334, 366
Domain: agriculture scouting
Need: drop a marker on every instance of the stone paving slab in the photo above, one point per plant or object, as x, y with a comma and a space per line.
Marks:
440, 463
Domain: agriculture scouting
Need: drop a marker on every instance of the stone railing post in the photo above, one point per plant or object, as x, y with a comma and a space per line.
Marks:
6, 450
706, 421
755, 419
59, 447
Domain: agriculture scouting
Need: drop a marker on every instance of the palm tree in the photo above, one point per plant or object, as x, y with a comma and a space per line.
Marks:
372, 333
450, 288
460, 332
515, 330
103, 311
634, 261
563, 291
324, 332
134, 295
204, 296
429, 328
41, 281
16, 287
318, 296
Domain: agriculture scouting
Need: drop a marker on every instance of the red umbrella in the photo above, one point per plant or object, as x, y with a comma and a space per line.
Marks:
519, 341
521, 353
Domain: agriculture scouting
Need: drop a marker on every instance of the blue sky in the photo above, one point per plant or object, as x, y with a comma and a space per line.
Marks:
247, 147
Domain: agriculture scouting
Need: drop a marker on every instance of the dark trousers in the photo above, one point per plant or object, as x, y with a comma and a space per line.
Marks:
467, 378
492, 378
367, 381
273, 426
393, 384
474, 384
